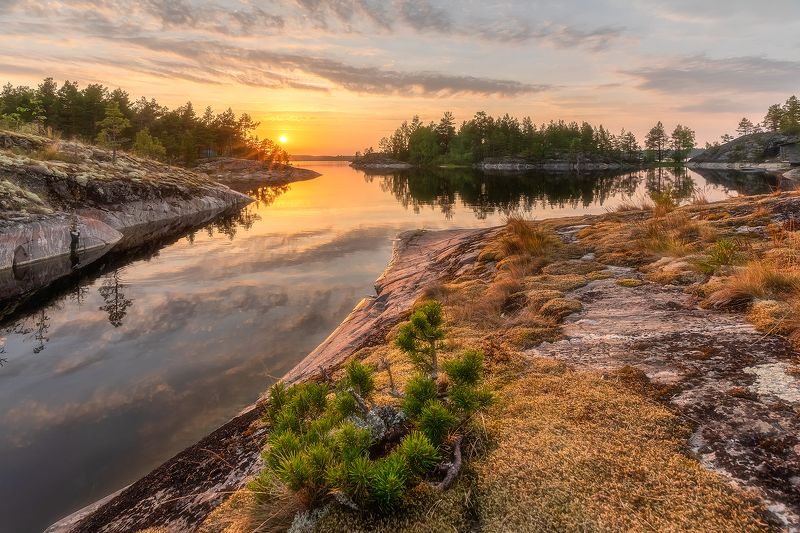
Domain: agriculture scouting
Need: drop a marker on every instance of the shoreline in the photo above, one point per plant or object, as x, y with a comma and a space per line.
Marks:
66, 204
222, 461
178, 495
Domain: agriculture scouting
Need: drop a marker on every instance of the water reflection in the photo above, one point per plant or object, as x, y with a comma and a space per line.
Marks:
149, 349
485, 195
113, 293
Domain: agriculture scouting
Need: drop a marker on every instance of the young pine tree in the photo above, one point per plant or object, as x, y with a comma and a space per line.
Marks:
420, 337
111, 129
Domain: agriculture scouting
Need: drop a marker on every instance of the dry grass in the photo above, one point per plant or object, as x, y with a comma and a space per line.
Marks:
630, 282
664, 202
674, 234
757, 279
577, 452
267, 508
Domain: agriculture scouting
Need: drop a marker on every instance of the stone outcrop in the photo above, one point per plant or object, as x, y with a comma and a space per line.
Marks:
732, 384
241, 173
758, 150
62, 203
379, 162
730, 381
578, 164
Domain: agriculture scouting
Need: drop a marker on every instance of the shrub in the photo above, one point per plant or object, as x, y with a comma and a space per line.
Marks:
724, 252
436, 422
359, 376
420, 454
389, 482
359, 478
466, 370
345, 404
277, 399
420, 336
314, 449
293, 471
352, 442
281, 444
469, 400
418, 392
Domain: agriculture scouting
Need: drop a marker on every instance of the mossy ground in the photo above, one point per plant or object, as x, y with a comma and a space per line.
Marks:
564, 449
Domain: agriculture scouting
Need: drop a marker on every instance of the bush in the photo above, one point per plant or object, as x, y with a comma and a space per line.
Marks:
436, 422
420, 336
359, 478
359, 376
418, 392
316, 449
420, 454
389, 482
468, 400
466, 370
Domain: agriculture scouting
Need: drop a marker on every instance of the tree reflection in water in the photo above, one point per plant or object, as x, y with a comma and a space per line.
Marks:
266, 196
34, 327
116, 304
486, 194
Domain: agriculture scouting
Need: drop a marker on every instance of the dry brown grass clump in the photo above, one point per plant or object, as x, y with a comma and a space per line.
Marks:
757, 279
558, 308
576, 452
254, 511
675, 234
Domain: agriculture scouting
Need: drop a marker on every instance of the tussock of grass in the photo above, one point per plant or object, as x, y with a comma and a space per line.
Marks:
757, 279
264, 507
774, 316
558, 308
674, 234
630, 282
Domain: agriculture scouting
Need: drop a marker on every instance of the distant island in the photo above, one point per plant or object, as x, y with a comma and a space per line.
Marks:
507, 143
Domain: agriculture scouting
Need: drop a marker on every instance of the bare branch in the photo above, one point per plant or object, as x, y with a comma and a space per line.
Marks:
454, 468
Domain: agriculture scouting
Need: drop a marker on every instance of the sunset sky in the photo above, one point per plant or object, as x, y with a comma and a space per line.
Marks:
336, 75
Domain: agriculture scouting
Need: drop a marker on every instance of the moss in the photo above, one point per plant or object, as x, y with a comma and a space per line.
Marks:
558, 308
630, 282
576, 452
525, 338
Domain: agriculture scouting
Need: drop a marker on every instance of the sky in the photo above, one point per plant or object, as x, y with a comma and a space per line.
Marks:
335, 76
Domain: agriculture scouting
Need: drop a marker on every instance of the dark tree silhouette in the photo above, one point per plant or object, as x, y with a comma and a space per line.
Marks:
116, 304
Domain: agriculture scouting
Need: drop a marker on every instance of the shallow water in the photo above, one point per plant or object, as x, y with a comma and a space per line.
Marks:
113, 373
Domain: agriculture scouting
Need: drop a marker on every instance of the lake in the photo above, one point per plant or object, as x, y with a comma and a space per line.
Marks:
112, 372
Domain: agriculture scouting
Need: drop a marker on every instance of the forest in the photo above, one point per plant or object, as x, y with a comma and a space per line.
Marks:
97, 114
484, 136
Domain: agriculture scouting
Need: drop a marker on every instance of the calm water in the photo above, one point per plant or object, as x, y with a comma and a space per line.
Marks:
117, 372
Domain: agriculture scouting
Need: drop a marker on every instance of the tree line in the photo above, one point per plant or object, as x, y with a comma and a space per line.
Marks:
96, 113
779, 119
485, 136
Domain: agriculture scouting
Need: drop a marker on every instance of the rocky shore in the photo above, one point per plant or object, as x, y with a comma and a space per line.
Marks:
64, 204
183, 491
581, 164
246, 173
732, 384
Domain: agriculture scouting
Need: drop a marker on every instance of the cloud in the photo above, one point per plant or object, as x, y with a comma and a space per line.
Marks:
703, 75
713, 105
508, 23
276, 69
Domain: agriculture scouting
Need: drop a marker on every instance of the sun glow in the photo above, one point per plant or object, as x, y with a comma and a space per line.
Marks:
283, 139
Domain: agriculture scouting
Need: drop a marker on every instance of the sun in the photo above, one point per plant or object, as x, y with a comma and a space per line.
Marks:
283, 139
